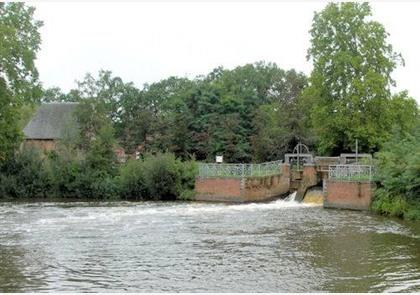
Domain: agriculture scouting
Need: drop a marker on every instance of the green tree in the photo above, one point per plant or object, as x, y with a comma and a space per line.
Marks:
398, 175
225, 110
100, 156
55, 94
350, 83
91, 116
19, 43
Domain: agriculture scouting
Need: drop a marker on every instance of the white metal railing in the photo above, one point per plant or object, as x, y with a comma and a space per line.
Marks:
350, 172
207, 170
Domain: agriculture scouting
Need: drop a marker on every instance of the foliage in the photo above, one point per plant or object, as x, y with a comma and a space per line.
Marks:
10, 134
54, 94
67, 177
157, 177
398, 175
100, 155
132, 181
213, 114
19, 43
30, 174
350, 84
23, 175
26, 112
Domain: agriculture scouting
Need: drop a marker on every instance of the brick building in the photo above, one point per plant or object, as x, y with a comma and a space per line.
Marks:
52, 122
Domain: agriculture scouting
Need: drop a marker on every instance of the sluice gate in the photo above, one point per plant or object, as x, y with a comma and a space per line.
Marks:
336, 180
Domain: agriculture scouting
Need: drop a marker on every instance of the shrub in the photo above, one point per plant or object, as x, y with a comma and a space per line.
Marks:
157, 177
23, 176
187, 195
67, 177
189, 170
162, 174
387, 204
73, 177
131, 181
61, 175
398, 176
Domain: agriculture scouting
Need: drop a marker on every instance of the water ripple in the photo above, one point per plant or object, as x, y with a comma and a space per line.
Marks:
282, 246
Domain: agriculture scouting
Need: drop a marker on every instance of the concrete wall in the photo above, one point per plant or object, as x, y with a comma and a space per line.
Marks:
348, 195
249, 189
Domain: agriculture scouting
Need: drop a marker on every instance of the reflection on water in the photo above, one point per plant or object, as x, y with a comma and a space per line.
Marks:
281, 246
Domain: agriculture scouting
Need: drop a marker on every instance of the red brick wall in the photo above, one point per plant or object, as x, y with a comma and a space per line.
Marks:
42, 144
218, 189
310, 176
264, 188
348, 195
243, 190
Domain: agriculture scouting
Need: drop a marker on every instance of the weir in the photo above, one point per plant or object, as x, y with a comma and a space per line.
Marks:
336, 182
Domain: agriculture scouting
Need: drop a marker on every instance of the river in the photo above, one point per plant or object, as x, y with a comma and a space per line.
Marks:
280, 246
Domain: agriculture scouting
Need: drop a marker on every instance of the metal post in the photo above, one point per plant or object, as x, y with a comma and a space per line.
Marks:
357, 151
298, 157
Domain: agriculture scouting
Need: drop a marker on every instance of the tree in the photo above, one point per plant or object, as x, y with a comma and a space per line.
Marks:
209, 115
350, 84
19, 43
398, 175
106, 89
91, 116
54, 94
227, 110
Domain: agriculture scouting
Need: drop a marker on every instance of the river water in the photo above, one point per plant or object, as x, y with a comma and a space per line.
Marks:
281, 246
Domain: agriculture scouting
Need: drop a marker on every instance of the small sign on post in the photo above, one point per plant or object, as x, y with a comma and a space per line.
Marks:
219, 159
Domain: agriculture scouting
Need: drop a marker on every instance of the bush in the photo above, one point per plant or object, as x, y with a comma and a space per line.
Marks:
387, 204
23, 176
75, 178
61, 175
398, 176
157, 177
162, 176
132, 184
65, 179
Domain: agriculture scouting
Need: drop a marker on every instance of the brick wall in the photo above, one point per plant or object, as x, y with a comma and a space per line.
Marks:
309, 179
249, 189
218, 189
42, 144
348, 195
264, 188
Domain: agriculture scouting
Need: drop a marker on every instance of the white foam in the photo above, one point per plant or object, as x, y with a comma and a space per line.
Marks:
107, 214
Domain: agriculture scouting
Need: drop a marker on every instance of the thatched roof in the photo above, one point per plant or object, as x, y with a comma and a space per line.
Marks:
51, 120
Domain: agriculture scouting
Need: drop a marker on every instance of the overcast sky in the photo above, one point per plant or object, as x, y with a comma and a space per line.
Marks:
146, 42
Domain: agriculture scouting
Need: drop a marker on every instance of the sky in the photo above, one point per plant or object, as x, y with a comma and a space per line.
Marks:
145, 42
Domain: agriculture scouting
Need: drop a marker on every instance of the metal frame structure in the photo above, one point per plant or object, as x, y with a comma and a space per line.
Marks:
208, 170
299, 157
350, 173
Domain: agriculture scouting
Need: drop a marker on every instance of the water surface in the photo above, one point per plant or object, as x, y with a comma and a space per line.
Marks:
198, 247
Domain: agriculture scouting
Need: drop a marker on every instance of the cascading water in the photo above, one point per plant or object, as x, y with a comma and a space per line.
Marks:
291, 197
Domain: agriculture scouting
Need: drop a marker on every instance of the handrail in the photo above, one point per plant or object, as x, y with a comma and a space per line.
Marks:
229, 170
350, 172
